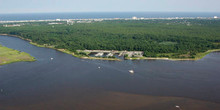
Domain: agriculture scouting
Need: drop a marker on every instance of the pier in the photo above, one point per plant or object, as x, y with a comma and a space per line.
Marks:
99, 54
110, 53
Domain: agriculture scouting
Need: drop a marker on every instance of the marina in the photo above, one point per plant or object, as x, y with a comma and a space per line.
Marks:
111, 53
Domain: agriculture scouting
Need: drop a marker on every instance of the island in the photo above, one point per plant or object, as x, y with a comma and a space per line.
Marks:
114, 39
8, 55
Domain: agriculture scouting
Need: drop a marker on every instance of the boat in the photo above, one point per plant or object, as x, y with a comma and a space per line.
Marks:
131, 71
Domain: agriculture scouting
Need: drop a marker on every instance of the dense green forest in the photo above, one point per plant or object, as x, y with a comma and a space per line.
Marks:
157, 38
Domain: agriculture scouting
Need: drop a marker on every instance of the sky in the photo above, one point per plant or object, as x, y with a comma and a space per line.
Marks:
45, 6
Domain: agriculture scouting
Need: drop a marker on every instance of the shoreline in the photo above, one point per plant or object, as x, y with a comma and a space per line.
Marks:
103, 19
33, 59
198, 57
10, 55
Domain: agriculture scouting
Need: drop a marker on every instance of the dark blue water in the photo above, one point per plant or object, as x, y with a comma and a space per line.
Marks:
43, 16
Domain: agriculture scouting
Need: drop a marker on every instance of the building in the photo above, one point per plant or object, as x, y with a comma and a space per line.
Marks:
215, 17
84, 21
142, 18
13, 25
70, 22
134, 18
54, 23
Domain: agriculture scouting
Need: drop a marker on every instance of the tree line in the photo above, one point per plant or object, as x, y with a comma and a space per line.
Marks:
154, 37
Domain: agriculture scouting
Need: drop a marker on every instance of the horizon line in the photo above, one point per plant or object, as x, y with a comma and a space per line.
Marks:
117, 12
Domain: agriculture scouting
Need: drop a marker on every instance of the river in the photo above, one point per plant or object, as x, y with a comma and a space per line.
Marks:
67, 83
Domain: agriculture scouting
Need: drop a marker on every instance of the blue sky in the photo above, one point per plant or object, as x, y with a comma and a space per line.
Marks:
38, 6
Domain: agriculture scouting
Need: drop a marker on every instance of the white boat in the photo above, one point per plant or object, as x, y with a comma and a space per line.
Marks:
131, 71
51, 58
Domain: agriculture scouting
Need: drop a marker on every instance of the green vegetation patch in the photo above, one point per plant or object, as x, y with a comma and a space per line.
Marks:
8, 55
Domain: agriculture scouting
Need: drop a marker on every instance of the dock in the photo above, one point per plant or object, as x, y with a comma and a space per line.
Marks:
99, 54
110, 53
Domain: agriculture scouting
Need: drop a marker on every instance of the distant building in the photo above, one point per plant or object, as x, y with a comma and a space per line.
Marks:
13, 25
70, 22
215, 17
54, 23
84, 21
142, 17
134, 18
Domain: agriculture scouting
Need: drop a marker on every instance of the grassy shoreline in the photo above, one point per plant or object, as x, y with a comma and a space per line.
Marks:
75, 55
8, 55
86, 57
197, 57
